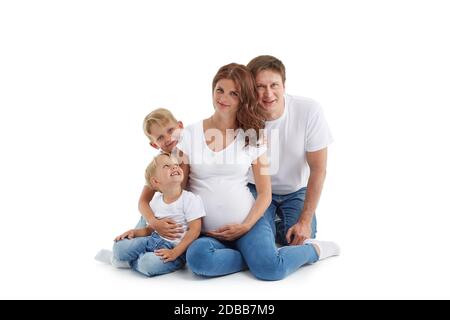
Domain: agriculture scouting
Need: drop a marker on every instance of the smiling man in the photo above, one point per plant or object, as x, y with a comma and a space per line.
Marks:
298, 136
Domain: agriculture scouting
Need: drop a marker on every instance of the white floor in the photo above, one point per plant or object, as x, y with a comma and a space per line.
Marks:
74, 275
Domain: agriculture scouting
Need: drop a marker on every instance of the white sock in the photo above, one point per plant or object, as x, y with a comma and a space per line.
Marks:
326, 248
120, 264
106, 256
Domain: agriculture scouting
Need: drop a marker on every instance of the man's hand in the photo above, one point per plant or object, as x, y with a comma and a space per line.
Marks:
167, 228
298, 233
167, 255
229, 232
130, 234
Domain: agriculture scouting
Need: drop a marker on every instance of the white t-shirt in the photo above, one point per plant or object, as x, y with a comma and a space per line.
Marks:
219, 178
186, 208
301, 128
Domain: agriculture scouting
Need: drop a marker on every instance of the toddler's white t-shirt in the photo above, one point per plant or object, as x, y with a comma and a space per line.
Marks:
186, 208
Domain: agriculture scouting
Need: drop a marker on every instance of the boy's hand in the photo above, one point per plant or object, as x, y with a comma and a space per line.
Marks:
130, 234
167, 228
167, 255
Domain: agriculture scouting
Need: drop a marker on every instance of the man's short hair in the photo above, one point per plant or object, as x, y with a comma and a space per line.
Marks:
261, 63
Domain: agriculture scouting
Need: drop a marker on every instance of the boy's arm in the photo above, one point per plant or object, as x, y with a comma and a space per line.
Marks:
194, 228
165, 227
143, 232
144, 205
134, 233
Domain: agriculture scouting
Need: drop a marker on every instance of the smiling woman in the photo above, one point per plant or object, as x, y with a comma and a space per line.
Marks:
219, 156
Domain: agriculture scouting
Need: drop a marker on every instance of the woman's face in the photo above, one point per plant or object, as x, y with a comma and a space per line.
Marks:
226, 96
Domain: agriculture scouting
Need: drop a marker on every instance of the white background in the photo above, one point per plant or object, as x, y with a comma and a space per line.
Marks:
78, 77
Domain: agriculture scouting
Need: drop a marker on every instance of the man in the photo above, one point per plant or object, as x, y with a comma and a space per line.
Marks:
298, 136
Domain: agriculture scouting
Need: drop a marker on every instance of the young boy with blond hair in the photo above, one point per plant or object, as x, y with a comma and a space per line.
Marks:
145, 250
163, 131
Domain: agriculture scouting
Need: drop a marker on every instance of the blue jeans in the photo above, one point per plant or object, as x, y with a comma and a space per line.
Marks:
139, 252
288, 209
256, 250
141, 223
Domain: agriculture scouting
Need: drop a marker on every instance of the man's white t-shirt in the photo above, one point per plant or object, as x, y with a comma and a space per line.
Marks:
301, 128
219, 178
185, 209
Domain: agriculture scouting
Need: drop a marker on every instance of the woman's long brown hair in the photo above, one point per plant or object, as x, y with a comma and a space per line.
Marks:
249, 115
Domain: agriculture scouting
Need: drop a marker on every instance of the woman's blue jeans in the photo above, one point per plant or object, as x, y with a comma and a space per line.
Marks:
256, 250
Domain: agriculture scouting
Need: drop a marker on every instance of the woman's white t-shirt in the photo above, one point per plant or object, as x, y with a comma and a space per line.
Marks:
219, 178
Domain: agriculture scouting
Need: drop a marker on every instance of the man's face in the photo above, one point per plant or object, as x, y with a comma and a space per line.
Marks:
165, 137
270, 90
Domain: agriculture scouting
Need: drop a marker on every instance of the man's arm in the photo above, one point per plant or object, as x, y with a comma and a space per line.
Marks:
301, 231
165, 227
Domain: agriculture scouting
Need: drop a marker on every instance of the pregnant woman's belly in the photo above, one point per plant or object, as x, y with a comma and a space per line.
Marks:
226, 203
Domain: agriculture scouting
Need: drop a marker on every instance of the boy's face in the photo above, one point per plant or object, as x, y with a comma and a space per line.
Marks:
165, 137
168, 172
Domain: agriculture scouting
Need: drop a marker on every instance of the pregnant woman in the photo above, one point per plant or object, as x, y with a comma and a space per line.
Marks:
218, 153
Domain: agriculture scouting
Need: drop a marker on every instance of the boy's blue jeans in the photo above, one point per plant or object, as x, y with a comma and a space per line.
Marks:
256, 249
139, 252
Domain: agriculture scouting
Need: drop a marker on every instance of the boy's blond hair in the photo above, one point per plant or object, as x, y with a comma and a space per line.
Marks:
159, 117
150, 172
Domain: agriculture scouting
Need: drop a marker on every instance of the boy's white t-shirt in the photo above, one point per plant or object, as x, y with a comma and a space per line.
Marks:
220, 178
185, 209
302, 128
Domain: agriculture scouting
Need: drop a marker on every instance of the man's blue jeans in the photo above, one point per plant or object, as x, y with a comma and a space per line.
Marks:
139, 252
288, 209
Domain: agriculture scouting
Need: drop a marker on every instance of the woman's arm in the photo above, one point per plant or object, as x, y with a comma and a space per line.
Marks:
186, 169
184, 165
264, 190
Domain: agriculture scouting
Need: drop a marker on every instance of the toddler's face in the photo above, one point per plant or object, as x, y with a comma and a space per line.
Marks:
168, 171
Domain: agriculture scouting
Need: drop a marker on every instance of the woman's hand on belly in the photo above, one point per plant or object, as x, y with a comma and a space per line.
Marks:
229, 232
